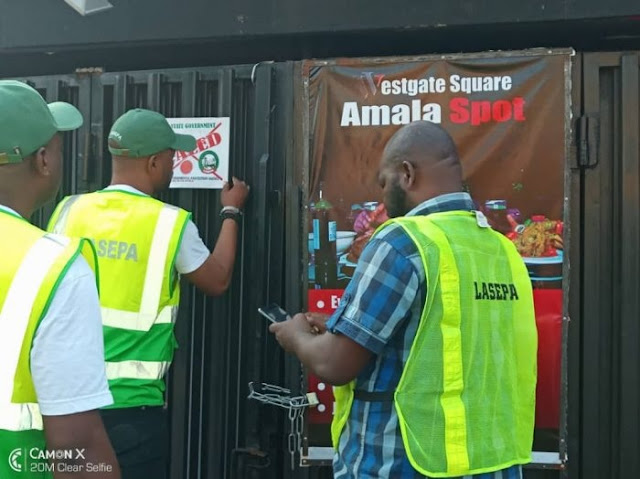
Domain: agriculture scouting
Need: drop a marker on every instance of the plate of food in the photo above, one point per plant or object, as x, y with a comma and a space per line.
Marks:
539, 241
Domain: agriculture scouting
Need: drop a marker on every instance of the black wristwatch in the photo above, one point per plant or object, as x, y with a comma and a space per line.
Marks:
231, 212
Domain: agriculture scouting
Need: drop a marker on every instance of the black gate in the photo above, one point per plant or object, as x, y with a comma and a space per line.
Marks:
604, 359
223, 342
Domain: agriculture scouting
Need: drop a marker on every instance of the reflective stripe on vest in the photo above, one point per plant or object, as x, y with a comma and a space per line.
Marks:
14, 320
116, 318
455, 437
155, 266
20, 417
151, 370
61, 222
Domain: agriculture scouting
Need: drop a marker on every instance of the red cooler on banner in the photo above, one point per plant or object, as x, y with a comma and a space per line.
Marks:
323, 301
548, 303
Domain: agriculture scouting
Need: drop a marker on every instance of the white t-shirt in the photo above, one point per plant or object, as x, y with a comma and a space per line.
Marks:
192, 253
67, 355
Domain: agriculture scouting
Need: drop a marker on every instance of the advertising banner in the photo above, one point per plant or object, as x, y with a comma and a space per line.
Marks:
507, 116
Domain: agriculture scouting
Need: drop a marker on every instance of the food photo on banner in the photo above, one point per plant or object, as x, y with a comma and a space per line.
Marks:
507, 115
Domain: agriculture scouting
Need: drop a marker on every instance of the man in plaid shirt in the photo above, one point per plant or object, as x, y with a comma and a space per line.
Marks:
372, 331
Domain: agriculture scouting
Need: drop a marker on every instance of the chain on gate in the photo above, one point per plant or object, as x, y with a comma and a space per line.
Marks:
295, 406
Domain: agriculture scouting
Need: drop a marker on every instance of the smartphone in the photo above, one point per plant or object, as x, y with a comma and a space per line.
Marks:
274, 313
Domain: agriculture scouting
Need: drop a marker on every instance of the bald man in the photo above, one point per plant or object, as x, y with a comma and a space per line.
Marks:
433, 346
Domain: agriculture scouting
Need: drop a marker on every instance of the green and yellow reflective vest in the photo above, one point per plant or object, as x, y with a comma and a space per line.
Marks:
137, 239
466, 397
33, 265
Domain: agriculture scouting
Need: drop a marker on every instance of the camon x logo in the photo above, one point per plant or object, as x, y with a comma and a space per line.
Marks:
16, 460
370, 82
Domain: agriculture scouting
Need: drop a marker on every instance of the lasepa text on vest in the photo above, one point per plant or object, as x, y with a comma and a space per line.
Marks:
116, 250
495, 291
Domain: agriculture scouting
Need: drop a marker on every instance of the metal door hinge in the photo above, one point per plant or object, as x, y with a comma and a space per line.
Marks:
587, 141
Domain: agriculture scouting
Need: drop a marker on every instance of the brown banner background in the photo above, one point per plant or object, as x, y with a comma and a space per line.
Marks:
518, 161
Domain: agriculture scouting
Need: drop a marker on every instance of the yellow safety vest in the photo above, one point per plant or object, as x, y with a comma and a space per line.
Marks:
137, 239
33, 264
466, 397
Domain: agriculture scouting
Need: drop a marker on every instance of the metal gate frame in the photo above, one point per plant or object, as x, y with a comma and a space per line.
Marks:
216, 432
604, 386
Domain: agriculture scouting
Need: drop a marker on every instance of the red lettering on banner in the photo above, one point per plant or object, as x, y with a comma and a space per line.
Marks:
502, 111
459, 113
478, 112
518, 109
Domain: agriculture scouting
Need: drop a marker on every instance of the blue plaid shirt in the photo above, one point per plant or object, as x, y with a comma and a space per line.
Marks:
380, 310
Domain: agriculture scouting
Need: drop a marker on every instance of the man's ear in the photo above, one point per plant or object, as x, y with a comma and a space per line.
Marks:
40, 162
407, 174
152, 163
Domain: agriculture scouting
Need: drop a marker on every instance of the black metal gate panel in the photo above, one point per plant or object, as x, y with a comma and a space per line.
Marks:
604, 359
223, 342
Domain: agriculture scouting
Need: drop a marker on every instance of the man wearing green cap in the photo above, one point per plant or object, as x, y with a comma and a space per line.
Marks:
52, 376
143, 246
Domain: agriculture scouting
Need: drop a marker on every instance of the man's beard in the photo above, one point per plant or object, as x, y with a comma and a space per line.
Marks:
396, 201
166, 183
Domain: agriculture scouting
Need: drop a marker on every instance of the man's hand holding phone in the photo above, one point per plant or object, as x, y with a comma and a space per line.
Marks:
286, 328
288, 332
318, 322
274, 313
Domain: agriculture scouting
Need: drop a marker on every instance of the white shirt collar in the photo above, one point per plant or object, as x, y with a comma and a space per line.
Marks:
10, 210
433, 203
127, 188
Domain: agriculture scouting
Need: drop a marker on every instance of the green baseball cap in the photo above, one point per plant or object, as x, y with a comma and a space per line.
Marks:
28, 123
139, 133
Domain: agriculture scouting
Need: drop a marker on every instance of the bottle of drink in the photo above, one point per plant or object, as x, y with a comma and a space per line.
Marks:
310, 246
324, 244
496, 213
